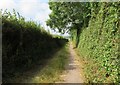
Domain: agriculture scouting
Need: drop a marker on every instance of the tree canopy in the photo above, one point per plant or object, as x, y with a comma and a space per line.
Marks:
66, 16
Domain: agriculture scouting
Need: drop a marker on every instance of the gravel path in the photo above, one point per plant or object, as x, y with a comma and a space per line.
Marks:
73, 72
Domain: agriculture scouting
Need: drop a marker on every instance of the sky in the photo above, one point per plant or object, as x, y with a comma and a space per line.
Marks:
37, 10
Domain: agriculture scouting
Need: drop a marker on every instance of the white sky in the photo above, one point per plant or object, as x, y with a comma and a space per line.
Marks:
37, 10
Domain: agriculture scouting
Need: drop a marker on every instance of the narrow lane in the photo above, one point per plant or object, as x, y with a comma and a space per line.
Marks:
72, 73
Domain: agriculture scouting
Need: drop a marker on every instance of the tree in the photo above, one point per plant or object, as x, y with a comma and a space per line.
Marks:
66, 16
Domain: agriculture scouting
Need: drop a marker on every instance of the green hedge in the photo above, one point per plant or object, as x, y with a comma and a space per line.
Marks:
99, 44
24, 43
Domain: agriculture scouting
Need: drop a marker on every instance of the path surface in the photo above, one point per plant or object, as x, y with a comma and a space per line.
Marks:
73, 72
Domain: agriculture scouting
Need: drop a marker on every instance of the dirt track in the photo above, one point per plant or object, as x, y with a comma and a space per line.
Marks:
72, 73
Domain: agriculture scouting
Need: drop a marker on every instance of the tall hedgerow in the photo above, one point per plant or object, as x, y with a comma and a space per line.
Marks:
24, 43
99, 44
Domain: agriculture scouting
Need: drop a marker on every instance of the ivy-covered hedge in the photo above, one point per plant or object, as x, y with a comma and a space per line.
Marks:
99, 44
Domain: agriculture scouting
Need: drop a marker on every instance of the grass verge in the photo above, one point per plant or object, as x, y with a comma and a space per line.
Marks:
50, 73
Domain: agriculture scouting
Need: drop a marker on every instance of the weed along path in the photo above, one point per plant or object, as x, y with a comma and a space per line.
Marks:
73, 72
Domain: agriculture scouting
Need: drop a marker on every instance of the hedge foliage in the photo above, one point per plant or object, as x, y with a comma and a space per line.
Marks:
24, 43
99, 43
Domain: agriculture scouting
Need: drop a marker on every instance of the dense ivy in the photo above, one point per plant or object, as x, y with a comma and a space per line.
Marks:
99, 43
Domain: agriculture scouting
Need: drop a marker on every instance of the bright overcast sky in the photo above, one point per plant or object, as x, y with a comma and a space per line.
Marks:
37, 10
